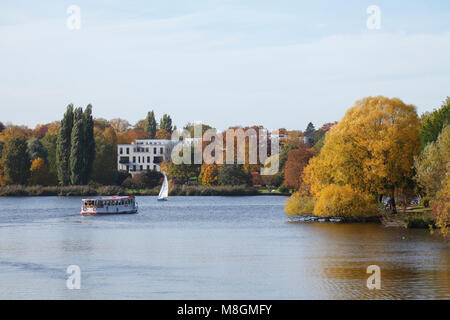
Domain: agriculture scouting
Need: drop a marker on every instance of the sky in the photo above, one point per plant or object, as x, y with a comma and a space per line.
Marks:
280, 64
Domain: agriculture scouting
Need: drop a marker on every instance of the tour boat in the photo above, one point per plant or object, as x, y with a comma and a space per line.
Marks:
109, 205
164, 192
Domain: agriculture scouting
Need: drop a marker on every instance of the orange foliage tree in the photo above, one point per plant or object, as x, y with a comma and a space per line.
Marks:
162, 134
297, 160
126, 137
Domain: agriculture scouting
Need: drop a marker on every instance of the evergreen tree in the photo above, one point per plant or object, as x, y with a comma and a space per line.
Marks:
166, 123
16, 160
63, 147
150, 125
89, 144
2, 126
309, 130
76, 151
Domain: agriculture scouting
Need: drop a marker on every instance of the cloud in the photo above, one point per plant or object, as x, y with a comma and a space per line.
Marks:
191, 67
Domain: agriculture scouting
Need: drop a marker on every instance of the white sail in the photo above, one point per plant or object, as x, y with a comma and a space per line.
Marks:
164, 192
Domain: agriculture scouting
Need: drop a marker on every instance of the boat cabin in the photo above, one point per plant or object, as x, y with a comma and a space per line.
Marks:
112, 204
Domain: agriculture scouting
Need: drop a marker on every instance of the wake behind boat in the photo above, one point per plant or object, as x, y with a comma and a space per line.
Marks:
109, 205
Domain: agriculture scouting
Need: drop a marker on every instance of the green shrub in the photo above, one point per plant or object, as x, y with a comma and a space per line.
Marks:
420, 222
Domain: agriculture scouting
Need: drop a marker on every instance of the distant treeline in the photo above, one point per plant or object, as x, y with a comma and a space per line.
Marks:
89, 190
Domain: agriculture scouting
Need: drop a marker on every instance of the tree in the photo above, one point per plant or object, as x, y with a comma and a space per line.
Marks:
190, 127
88, 148
36, 149
344, 201
144, 180
162, 134
105, 163
432, 123
63, 147
2, 127
166, 123
234, 175
210, 175
432, 164
129, 136
11, 131
309, 130
40, 131
141, 124
151, 124
39, 173
441, 206
298, 204
76, 151
49, 142
119, 124
372, 150
17, 161
183, 171
296, 162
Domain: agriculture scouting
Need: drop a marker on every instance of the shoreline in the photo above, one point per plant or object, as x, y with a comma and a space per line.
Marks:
89, 191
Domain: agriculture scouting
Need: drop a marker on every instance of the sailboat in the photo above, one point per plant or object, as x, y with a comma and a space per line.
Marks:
164, 192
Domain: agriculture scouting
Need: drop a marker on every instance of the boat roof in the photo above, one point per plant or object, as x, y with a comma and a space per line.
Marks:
109, 198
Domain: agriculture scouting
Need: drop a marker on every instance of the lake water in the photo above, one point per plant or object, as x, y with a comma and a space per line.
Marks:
209, 248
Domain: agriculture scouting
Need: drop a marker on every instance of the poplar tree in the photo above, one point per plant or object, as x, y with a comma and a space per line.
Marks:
76, 151
166, 123
151, 124
89, 144
63, 147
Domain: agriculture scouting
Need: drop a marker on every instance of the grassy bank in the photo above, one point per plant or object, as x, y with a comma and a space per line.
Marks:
412, 217
30, 191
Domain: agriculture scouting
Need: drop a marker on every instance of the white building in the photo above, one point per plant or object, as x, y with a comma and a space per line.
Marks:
146, 154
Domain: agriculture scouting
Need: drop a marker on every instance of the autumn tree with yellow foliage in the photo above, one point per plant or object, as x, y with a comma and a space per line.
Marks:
210, 175
371, 150
39, 174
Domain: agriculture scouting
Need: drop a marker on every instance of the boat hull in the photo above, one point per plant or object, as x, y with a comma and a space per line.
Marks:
162, 199
85, 213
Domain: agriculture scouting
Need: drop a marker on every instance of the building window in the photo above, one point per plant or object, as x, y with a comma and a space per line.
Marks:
154, 150
128, 150
148, 167
161, 150
148, 159
134, 159
141, 168
121, 150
